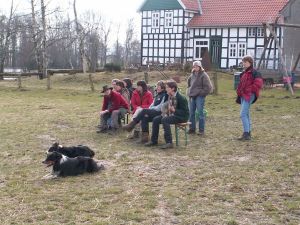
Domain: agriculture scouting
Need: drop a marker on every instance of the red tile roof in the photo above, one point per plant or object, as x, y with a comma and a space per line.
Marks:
192, 5
237, 12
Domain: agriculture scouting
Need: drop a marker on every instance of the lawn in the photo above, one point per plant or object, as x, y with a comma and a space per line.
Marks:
215, 180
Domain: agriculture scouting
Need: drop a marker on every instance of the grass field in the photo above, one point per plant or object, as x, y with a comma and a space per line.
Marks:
215, 180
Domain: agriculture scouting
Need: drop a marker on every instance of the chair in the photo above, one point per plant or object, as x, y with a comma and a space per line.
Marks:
184, 127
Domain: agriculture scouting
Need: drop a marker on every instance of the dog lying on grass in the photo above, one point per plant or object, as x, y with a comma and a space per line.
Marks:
73, 151
64, 166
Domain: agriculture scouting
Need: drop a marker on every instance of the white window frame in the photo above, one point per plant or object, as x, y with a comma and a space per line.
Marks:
260, 32
232, 50
251, 31
242, 49
168, 19
200, 46
155, 20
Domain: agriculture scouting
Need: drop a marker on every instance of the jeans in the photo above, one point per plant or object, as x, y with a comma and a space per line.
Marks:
146, 116
245, 113
197, 103
112, 119
166, 122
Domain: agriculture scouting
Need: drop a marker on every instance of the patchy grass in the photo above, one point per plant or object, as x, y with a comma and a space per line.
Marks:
215, 180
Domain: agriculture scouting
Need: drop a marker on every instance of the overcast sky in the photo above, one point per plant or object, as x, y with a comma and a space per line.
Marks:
117, 11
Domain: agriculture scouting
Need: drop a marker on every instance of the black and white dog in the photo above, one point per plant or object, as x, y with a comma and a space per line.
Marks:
73, 151
64, 166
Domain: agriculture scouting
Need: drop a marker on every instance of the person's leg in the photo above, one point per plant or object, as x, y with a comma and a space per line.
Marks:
155, 131
245, 118
103, 122
115, 119
148, 116
166, 122
192, 108
249, 118
200, 102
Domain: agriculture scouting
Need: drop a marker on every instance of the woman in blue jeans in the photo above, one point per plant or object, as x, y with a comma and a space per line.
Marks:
199, 86
248, 92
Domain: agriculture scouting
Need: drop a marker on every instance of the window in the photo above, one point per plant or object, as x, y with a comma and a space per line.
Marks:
169, 19
201, 46
155, 20
232, 50
242, 50
253, 31
259, 51
260, 32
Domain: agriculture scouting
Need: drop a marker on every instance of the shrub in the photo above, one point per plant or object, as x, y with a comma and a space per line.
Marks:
111, 67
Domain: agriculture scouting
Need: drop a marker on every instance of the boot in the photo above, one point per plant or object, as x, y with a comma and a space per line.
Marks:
134, 135
129, 127
144, 138
245, 137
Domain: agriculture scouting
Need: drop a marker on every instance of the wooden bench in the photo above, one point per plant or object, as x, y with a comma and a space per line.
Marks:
184, 127
125, 119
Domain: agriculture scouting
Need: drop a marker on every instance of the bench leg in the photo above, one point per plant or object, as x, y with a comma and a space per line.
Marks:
186, 137
176, 135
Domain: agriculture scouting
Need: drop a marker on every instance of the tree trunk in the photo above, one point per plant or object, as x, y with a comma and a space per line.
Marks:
44, 56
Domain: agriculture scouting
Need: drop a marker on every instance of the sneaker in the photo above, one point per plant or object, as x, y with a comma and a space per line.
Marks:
167, 146
150, 143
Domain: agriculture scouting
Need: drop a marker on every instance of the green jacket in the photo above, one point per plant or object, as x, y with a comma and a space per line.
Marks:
182, 109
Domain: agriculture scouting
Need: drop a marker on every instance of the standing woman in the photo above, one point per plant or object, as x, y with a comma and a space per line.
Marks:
199, 86
248, 92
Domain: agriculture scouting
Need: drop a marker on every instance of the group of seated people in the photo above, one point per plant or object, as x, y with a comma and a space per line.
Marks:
167, 107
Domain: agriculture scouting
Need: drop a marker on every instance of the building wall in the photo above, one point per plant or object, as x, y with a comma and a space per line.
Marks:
164, 43
291, 43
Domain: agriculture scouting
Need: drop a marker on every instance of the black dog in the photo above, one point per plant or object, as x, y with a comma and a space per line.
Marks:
73, 151
65, 166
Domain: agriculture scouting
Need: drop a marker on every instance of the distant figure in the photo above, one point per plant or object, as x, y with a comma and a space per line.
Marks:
248, 91
120, 87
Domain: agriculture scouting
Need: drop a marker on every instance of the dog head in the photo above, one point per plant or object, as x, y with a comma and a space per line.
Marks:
51, 158
54, 147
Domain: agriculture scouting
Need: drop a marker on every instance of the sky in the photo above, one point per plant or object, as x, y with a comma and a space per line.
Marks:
116, 11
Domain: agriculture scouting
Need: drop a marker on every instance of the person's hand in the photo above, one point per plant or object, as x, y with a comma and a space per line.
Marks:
172, 109
103, 112
193, 69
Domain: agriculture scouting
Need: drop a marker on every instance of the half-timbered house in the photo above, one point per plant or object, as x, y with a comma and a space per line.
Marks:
184, 30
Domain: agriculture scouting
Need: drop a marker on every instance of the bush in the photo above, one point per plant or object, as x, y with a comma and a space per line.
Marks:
111, 67
188, 67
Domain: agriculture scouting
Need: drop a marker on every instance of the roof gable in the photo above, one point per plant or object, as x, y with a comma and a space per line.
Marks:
236, 12
192, 5
150, 5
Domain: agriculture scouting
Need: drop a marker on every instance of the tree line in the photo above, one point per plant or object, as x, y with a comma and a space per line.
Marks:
47, 38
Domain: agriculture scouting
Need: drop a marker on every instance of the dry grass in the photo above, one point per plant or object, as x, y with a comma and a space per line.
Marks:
215, 180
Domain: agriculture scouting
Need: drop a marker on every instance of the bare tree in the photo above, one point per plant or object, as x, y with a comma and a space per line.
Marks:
128, 42
105, 32
6, 39
44, 45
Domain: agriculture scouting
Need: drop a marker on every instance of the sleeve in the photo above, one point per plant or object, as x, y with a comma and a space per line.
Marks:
148, 100
182, 108
105, 104
158, 107
257, 83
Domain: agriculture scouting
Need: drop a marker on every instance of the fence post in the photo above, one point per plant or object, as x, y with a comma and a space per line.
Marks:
19, 81
215, 80
91, 82
146, 76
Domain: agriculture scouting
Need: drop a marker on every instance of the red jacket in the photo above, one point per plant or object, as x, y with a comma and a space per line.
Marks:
143, 102
114, 101
250, 82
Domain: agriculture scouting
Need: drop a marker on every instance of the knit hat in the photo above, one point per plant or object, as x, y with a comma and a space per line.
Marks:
197, 63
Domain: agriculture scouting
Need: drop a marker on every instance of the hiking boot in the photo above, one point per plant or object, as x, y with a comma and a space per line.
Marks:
191, 131
150, 143
167, 146
102, 130
129, 127
113, 131
134, 135
144, 139
201, 133
245, 137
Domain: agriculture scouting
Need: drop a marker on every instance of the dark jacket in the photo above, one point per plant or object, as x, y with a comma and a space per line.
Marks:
182, 109
158, 101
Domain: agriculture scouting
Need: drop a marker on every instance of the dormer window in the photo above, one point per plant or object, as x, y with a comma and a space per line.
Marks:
168, 19
155, 20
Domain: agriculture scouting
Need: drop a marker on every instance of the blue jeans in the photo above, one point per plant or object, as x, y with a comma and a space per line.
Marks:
245, 113
197, 103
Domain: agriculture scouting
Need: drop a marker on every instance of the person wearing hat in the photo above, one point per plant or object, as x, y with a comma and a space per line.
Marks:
114, 106
247, 93
199, 86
